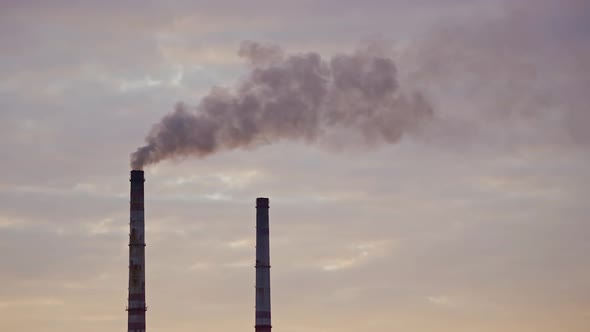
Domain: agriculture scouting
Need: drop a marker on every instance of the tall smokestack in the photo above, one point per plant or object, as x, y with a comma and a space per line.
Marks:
262, 267
136, 307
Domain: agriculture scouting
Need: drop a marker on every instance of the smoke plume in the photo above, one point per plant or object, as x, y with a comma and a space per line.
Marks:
296, 97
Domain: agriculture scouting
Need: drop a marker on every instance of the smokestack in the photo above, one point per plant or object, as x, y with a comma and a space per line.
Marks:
136, 307
262, 267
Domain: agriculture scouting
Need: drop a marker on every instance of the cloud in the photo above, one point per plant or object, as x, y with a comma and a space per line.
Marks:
511, 76
364, 252
39, 302
439, 300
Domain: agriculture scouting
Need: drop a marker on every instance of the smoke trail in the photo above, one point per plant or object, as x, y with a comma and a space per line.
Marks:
296, 97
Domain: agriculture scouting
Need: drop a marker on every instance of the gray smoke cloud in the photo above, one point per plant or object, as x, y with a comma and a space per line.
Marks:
299, 97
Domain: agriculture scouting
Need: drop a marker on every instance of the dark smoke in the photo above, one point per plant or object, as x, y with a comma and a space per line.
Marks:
296, 97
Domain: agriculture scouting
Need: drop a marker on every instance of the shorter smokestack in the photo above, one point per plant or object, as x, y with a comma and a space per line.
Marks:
262, 267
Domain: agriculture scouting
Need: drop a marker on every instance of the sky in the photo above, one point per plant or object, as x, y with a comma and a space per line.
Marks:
474, 220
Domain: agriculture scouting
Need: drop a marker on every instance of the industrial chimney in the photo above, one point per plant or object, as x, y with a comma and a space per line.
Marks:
136, 307
262, 267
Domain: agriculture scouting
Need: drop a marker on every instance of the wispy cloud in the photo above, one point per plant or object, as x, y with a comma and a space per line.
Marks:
362, 253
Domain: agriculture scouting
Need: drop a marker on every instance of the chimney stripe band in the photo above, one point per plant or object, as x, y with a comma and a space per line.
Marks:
137, 297
262, 314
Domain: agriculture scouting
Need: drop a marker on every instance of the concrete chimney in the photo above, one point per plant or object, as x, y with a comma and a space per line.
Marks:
262, 267
136, 307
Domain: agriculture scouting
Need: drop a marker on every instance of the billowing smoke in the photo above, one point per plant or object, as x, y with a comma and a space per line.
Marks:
296, 97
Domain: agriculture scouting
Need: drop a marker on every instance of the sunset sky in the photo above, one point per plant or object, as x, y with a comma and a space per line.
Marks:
475, 220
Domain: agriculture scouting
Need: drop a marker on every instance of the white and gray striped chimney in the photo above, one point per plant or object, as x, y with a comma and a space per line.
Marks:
262, 267
136, 307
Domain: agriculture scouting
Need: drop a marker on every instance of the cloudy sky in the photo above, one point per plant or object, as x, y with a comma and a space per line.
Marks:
476, 220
